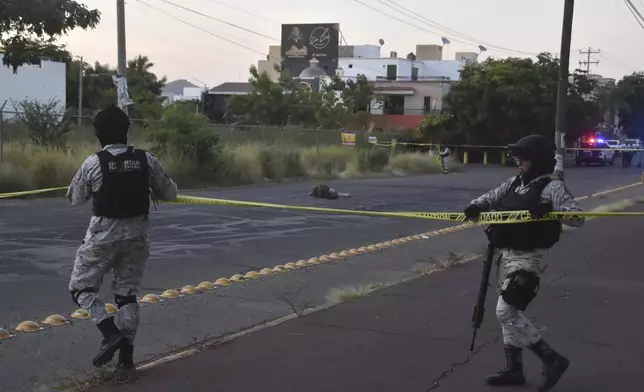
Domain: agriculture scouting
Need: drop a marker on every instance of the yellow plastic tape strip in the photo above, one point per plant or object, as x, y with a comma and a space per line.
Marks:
506, 217
32, 192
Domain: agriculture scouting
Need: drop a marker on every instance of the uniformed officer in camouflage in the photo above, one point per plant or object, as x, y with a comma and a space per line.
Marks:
120, 179
522, 248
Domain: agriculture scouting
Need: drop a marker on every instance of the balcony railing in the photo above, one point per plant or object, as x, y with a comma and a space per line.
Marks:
443, 79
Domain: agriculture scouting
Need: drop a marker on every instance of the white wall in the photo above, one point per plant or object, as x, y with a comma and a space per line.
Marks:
372, 67
42, 83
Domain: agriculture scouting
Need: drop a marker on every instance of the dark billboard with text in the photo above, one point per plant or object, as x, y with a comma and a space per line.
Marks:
303, 42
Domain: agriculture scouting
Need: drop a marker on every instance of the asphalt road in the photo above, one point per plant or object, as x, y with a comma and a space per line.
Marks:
38, 238
414, 337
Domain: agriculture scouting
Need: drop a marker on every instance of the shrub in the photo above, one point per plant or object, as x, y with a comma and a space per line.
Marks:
47, 123
188, 135
328, 162
414, 163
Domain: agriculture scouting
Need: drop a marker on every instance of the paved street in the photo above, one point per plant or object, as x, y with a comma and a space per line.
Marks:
196, 243
38, 239
414, 337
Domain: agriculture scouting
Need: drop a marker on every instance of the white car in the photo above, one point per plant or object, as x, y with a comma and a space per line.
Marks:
613, 143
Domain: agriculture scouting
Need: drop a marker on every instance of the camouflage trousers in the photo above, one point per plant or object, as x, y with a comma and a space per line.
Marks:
518, 331
444, 164
127, 260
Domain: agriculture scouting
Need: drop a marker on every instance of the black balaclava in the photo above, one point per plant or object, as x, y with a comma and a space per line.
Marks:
111, 125
540, 151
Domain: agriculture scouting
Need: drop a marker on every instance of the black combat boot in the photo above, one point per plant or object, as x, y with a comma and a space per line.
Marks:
513, 372
113, 339
554, 364
126, 358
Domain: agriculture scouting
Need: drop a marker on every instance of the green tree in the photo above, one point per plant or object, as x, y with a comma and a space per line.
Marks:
286, 102
99, 90
499, 101
29, 29
629, 98
188, 134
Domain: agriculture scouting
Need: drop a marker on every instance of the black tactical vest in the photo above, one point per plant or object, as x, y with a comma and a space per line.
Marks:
124, 192
529, 235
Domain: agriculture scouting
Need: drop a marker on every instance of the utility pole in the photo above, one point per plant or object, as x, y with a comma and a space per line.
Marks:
562, 86
80, 93
587, 63
120, 28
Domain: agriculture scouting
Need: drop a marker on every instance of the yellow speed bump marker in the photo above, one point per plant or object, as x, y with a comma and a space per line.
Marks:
334, 256
410, 238
80, 314
266, 272
363, 249
237, 278
355, 252
110, 308
389, 243
418, 237
396, 242
291, 266
313, 261
206, 285
345, 253
372, 248
4, 334
170, 294
222, 282
55, 320
28, 326
301, 263
252, 275
189, 290
150, 299
324, 258
278, 268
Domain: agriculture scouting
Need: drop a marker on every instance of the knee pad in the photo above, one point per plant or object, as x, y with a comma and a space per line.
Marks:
520, 288
121, 300
77, 293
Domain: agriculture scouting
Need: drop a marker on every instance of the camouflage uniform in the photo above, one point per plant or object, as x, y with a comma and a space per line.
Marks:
444, 158
120, 245
518, 331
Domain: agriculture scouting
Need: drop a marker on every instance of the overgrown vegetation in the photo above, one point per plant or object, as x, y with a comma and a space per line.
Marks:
191, 152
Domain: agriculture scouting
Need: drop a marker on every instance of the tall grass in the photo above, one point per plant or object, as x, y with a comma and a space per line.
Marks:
27, 167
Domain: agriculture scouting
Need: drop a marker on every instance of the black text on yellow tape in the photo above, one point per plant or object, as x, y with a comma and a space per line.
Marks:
504, 217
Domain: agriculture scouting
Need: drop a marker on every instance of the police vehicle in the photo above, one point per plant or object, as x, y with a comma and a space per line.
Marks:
597, 152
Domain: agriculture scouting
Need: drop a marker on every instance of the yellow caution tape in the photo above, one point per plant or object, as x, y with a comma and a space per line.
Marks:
32, 192
505, 217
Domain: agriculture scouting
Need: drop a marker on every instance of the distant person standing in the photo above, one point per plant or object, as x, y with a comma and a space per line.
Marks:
627, 156
444, 153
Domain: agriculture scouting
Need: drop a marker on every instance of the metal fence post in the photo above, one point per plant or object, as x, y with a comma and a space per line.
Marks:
2, 131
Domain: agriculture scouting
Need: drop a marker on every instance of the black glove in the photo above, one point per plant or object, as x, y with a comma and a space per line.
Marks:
472, 212
541, 209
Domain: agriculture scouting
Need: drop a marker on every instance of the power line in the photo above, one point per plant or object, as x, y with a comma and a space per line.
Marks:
244, 11
219, 20
636, 14
444, 28
200, 28
611, 59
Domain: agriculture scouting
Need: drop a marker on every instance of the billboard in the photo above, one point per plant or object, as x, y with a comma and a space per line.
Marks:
303, 42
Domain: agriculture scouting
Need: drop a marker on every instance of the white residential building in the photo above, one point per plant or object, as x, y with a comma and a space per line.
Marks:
45, 83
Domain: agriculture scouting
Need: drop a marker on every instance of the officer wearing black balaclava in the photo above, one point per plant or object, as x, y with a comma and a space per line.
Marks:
522, 248
119, 178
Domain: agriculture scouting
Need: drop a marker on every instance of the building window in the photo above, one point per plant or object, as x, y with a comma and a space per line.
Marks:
394, 104
427, 104
414, 73
286, 72
392, 71
350, 65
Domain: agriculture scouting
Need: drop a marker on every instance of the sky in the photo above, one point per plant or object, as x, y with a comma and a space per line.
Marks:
192, 49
